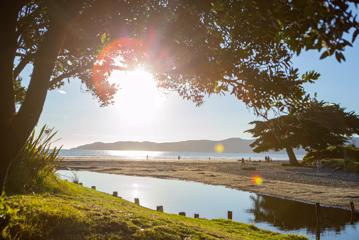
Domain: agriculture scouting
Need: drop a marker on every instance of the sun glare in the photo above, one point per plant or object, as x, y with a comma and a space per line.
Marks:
138, 97
257, 180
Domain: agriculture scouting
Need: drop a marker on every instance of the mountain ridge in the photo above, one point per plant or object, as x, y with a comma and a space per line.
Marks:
230, 145
203, 145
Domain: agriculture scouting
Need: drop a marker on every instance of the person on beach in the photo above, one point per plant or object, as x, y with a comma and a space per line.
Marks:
179, 157
317, 163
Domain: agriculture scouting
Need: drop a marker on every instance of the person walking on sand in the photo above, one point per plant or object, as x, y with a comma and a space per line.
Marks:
179, 157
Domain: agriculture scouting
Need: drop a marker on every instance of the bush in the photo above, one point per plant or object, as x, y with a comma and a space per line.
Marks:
35, 164
8, 219
332, 152
339, 157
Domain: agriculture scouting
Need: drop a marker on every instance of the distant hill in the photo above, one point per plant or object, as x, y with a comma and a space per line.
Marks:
230, 145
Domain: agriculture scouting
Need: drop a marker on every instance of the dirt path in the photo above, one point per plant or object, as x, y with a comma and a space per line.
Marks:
332, 188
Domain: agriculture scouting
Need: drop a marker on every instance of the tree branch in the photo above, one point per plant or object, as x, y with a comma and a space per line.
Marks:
44, 63
71, 73
68, 74
18, 69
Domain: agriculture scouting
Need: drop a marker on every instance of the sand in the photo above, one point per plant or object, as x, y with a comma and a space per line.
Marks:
326, 186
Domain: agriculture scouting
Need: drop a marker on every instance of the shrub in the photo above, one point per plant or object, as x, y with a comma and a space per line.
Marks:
34, 165
333, 152
340, 157
8, 219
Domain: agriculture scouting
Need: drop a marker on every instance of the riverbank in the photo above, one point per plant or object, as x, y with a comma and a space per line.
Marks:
76, 212
326, 186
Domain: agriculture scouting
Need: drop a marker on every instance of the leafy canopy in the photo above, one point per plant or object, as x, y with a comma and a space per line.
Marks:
317, 126
194, 47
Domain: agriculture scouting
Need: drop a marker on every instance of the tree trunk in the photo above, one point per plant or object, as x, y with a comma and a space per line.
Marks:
8, 152
8, 45
292, 158
16, 129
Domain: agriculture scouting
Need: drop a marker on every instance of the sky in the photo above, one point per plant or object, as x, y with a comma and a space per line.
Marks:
151, 115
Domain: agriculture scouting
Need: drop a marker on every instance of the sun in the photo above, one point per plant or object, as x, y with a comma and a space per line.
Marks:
138, 97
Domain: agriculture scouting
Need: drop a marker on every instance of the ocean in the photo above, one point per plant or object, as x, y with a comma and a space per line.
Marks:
163, 155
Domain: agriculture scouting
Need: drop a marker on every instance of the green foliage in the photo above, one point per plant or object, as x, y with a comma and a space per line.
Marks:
333, 152
244, 47
313, 126
342, 157
20, 91
349, 165
80, 213
34, 166
8, 220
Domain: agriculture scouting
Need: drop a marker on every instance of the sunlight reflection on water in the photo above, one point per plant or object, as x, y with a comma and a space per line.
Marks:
214, 201
154, 155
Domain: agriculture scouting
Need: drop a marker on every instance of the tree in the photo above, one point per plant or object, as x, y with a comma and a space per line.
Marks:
292, 215
316, 126
195, 47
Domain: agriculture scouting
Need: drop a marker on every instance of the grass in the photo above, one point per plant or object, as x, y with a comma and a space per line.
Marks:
34, 164
75, 212
349, 165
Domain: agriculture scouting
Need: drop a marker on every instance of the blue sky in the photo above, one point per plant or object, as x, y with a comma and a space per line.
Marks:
77, 117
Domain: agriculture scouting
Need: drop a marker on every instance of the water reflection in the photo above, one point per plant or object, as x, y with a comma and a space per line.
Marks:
214, 201
290, 215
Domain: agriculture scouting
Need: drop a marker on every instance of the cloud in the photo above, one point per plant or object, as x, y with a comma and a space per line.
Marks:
61, 91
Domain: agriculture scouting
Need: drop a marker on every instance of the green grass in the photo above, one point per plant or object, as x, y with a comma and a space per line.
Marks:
75, 212
349, 165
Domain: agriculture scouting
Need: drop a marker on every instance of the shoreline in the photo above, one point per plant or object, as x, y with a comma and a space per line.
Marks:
329, 188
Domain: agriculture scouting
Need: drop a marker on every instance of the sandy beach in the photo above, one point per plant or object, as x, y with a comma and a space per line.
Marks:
326, 186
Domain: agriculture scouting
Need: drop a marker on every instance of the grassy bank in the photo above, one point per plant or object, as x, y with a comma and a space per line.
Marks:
75, 212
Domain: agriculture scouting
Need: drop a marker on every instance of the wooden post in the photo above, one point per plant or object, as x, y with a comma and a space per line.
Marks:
317, 212
317, 232
229, 215
182, 214
93, 187
159, 208
196, 215
115, 194
137, 201
352, 207
352, 210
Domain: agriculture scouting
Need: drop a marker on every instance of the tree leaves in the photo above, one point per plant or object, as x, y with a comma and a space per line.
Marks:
104, 38
325, 54
243, 47
316, 126
339, 56
355, 34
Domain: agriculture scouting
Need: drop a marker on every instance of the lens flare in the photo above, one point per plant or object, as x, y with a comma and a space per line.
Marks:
257, 180
121, 54
219, 148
